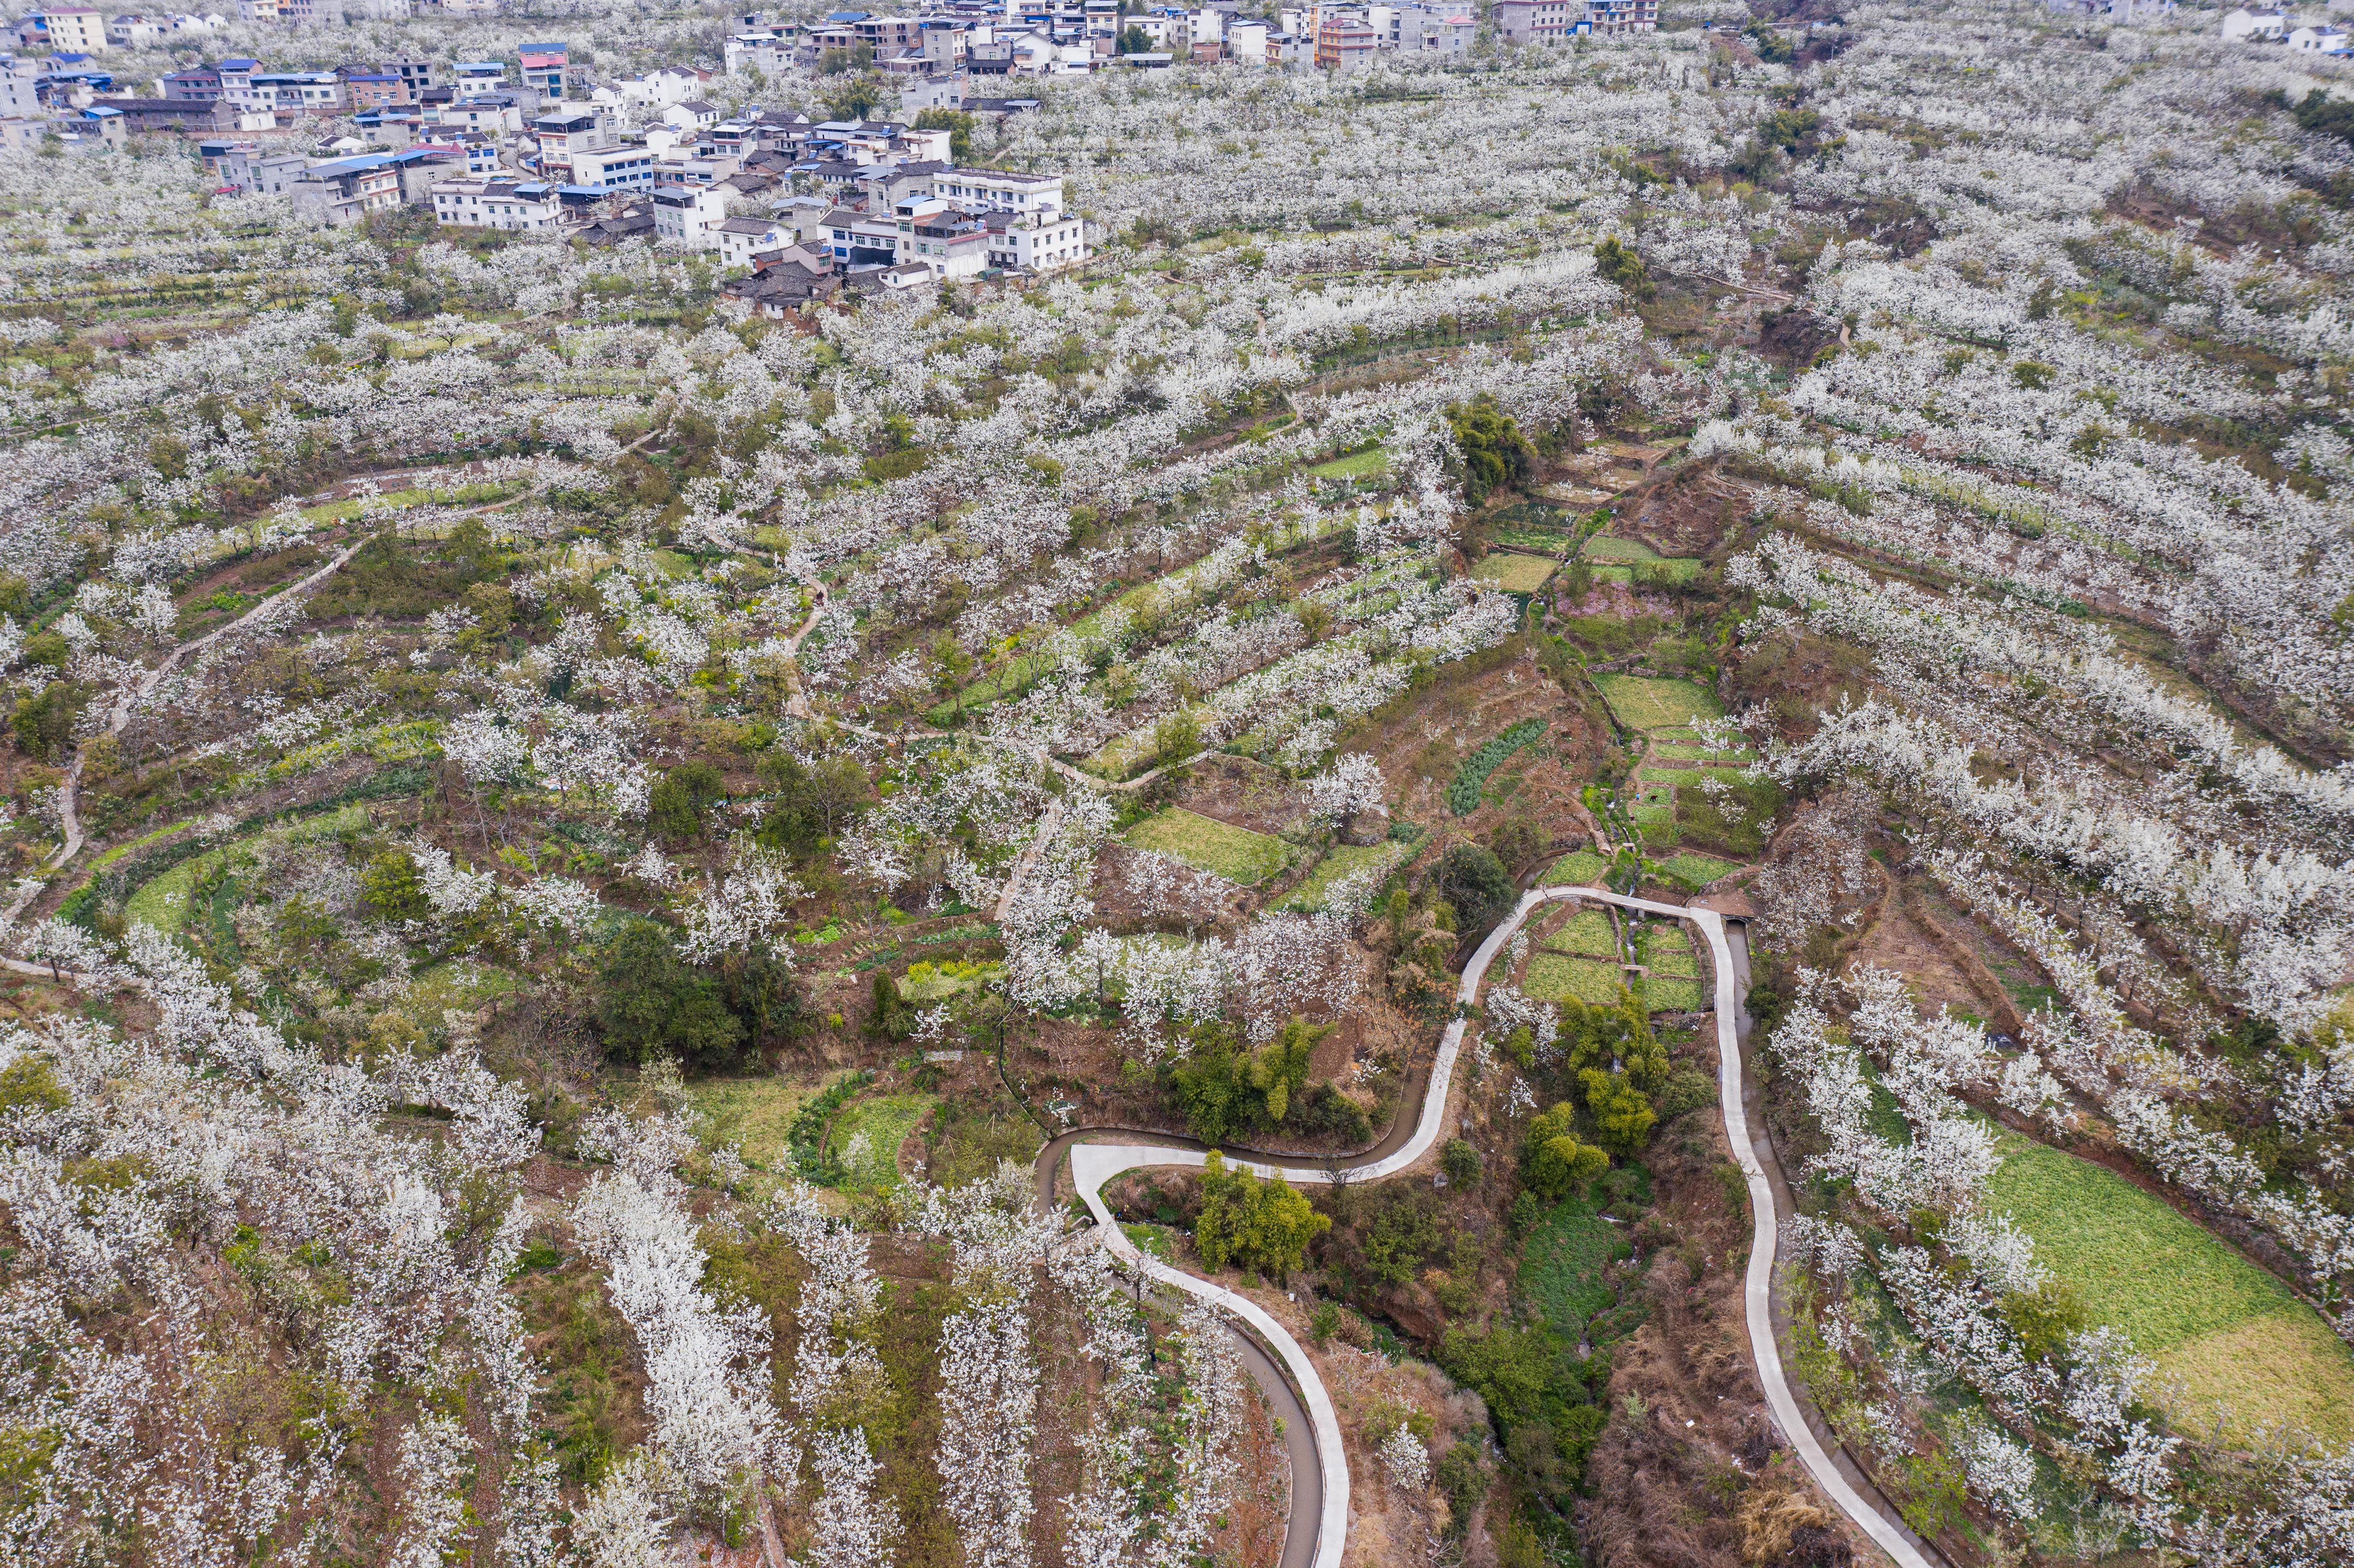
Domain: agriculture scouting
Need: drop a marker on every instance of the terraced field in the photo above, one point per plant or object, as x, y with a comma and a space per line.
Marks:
1207, 844
2230, 1341
1554, 977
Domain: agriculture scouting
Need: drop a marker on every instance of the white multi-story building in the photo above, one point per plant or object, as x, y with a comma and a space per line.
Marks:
689, 215
19, 78
494, 202
1034, 242
344, 191
135, 32
563, 134
741, 238
2242, 23
307, 91
1423, 29
1524, 20
76, 30
652, 93
492, 113
944, 241
614, 168
855, 238
1002, 190
768, 51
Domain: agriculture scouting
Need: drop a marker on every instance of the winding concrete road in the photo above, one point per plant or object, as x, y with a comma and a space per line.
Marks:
1320, 1489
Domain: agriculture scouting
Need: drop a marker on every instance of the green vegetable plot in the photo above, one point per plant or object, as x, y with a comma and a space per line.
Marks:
1471, 776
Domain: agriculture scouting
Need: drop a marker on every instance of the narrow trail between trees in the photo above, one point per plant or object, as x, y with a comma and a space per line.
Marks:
129, 697
1318, 1534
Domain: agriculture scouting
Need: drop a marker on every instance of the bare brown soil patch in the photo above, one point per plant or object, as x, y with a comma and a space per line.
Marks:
1688, 1441
1420, 740
1691, 513
1938, 970
1242, 793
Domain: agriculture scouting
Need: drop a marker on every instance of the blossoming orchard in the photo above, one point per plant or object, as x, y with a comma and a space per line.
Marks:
1657, 720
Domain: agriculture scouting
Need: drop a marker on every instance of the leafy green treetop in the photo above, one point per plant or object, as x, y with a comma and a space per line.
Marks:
1261, 1225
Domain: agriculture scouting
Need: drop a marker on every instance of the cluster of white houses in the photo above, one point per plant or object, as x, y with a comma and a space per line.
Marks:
2304, 35
857, 195
940, 47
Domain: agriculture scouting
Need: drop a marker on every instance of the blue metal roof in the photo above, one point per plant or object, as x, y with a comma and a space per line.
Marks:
354, 164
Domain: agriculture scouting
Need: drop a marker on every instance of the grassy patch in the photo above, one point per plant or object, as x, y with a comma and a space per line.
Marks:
1562, 1265
1666, 994
759, 1111
2281, 1366
866, 1136
928, 981
1610, 547
1343, 860
1554, 978
1235, 853
1576, 869
1514, 574
401, 499
409, 740
1543, 516
457, 983
119, 850
967, 1140
1637, 573
2228, 1333
1632, 561
1695, 870
1154, 1239
1643, 702
1547, 540
1589, 932
162, 902
1356, 465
